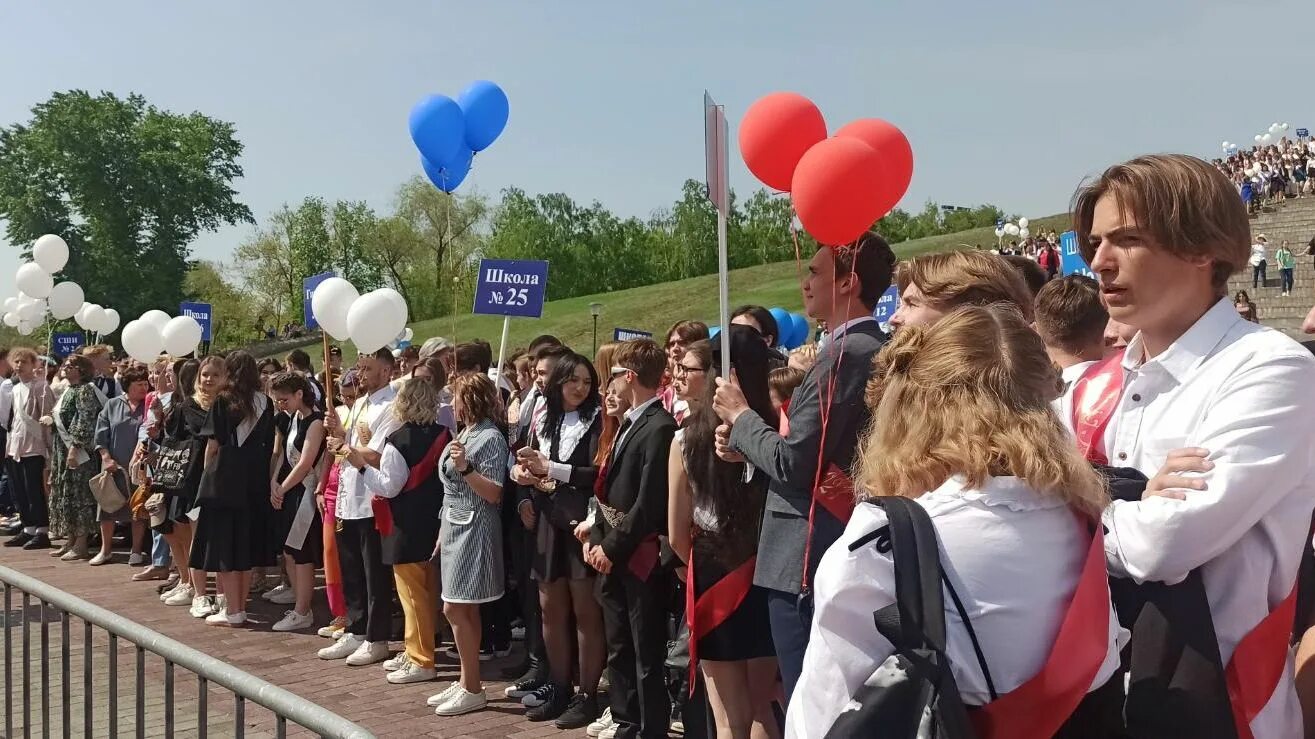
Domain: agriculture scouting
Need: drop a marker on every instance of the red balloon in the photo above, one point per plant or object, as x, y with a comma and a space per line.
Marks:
837, 190
775, 133
893, 146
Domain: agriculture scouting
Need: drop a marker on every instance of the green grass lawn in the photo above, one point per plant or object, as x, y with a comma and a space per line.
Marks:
654, 308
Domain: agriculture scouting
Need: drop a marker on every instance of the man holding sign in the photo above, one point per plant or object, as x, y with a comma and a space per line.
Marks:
809, 498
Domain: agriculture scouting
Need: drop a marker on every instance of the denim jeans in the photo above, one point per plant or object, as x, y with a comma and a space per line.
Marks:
1285, 278
160, 556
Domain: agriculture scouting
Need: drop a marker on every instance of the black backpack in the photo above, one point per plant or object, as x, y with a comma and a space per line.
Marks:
915, 682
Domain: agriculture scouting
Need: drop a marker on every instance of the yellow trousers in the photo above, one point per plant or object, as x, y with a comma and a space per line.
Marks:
417, 587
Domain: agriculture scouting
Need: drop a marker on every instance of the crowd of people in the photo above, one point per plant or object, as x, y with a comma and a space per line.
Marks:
1118, 474
1266, 175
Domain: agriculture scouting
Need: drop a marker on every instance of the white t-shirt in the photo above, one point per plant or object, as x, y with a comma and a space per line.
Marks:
1257, 254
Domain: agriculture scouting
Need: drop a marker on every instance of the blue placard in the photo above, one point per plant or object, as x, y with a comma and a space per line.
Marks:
308, 286
67, 342
1071, 261
1303, 133
203, 314
511, 287
886, 307
629, 334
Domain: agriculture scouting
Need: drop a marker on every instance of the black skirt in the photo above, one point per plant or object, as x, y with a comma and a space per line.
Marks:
312, 549
747, 633
557, 553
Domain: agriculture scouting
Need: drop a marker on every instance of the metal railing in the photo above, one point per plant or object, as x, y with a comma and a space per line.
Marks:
286, 706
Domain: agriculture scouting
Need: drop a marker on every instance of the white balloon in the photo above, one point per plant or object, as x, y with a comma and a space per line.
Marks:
50, 252
1258, 138
111, 321
999, 232
156, 318
1011, 229
408, 334
10, 304
142, 341
81, 317
1024, 232
331, 302
31, 310
1283, 126
399, 303
94, 318
11, 319
181, 335
25, 328
66, 298
1266, 139
373, 321
33, 280
1022, 223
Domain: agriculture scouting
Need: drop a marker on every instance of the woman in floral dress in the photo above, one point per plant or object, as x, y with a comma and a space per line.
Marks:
73, 510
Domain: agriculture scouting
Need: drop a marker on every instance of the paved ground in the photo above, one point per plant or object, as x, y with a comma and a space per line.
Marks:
287, 660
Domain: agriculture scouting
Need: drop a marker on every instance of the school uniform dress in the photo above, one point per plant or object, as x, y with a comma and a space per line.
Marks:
471, 533
1012, 555
407, 477
1242, 392
184, 422
557, 553
235, 537
298, 521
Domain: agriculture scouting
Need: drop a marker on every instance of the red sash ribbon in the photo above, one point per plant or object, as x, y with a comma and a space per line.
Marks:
707, 611
1039, 707
1253, 673
424, 469
646, 555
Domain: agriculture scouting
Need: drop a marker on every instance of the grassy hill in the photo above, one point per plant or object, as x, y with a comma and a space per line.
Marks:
654, 308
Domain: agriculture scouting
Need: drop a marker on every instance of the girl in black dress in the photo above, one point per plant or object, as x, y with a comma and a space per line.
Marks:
712, 504
181, 421
296, 519
232, 535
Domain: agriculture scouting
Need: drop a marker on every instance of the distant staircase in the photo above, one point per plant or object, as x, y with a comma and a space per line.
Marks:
1293, 220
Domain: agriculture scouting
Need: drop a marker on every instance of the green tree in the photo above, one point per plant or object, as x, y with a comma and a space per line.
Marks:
449, 228
352, 227
127, 185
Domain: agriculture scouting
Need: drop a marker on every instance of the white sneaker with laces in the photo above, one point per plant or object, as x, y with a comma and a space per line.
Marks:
293, 621
180, 596
224, 618
344, 647
281, 595
438, 699
608, 733
202, 606
397, 662
461, 702
334, 630
603, 723
164, 594
269, 594
368, 653
412, 673
136, 559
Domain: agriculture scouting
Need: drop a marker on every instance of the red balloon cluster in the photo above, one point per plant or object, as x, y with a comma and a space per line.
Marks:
839, 186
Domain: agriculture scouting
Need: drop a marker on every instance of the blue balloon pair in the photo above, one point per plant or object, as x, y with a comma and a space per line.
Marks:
448, 132
791, 328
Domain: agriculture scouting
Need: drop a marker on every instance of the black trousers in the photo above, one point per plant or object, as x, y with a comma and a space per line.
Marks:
366, 581
27, 483
635, 624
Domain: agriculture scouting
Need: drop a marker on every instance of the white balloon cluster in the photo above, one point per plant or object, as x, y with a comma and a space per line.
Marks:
1270, 135
1019, 229
38, 293
155, 332
371, 321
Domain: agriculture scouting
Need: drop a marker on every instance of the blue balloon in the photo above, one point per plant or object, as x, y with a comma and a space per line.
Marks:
486, 110
438, 128
784, 327
448, 177
714, 331
801, 329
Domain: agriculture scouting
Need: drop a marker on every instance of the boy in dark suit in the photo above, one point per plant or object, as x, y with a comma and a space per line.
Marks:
624, 546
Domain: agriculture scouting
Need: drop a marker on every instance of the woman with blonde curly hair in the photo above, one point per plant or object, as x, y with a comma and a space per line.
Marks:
961, 422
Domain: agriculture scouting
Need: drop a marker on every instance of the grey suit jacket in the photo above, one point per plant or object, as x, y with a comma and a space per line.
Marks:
791, 462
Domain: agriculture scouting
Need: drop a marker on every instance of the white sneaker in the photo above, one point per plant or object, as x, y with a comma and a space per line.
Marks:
164, 594
221, 603
412, 673
344, 647
368, 653
293, 621
609, 732
281, 595
101, 558
180, 596
438, 699
462, 701
335, 629
398, 662
202, 606
223, 618
603, 723
136, 559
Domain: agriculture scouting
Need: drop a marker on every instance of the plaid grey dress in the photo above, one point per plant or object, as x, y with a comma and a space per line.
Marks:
470, 535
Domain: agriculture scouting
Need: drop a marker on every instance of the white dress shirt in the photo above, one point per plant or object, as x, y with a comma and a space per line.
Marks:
1242, 392
631, 416
1014, 558
1063, 405
376, 411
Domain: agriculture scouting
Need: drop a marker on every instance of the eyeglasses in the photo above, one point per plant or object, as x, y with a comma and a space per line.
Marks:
684, 369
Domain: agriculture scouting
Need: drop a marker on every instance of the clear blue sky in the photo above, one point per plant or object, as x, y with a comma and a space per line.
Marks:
1011, 102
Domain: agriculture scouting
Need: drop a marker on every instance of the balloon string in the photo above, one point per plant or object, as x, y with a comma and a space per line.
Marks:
447, 238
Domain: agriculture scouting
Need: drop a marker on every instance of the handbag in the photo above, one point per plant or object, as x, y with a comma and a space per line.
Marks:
156, 509
107, 492
169, 462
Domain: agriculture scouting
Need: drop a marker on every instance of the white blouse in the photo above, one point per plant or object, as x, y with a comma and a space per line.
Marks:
1013, 557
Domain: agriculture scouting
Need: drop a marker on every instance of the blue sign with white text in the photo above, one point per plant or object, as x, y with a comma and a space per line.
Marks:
1070, 259
1303, 133
67, 342
308, 286
629, 334
511, 287
203, 314
886, 307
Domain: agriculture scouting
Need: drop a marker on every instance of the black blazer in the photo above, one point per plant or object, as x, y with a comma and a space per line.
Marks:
636, 484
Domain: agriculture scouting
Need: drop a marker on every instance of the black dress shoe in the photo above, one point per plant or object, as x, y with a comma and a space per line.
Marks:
20, 540
40, 541
11, 530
